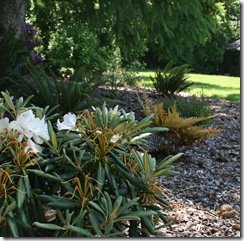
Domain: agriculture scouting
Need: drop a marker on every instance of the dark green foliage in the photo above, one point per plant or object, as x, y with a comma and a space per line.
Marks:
206, 56
132, 25
74, 46
171, 80
10, 54
232, 19
49, 90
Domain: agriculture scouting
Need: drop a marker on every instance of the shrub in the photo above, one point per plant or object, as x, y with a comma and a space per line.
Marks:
31, 43
171, 80
73, 45
85, 176
181, 131
116, 75
10, 54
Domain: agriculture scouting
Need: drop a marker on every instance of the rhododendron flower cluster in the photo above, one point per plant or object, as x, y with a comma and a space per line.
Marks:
69, 122
29, 127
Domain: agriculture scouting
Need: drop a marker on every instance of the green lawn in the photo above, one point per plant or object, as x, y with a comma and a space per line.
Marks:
214, 86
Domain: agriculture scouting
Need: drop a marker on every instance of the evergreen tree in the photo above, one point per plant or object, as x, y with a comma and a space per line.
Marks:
167, 26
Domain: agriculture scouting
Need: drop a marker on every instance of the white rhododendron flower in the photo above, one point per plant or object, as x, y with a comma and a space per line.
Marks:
27, 125
30, 126
69, 122
4, 124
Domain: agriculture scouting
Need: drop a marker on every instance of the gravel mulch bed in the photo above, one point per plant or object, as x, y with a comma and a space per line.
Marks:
210, 174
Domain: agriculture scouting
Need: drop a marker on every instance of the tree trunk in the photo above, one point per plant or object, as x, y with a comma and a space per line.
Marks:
13, 14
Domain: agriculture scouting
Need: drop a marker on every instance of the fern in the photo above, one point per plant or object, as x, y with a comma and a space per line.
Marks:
182, 131
48, 90
37, 83
173, 120
197, 134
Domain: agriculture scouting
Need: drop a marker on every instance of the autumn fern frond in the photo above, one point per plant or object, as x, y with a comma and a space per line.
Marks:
182, 131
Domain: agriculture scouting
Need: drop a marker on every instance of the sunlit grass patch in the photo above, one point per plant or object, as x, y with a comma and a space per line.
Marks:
214, 86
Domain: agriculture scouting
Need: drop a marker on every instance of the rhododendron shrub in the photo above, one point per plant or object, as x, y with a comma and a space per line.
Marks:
84, 175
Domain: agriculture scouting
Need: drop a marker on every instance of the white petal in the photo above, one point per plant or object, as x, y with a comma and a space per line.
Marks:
30, 126
69, 122
62, 126
4, 124
15, 125
34, 147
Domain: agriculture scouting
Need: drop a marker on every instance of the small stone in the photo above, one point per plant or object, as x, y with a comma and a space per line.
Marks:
170, 218
221, 159
225, 207
226, 174
201, 163
213, 196
227, 147
228, 214
236, 226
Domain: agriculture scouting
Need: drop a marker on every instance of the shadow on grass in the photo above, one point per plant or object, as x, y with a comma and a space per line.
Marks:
235, 98
232, 97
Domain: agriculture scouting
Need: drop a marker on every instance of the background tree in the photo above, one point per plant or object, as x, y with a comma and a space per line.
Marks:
168, 27
13, 14
83, 35
206, 57
11, 19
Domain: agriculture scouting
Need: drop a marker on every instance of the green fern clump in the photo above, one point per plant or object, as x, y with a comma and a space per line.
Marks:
48, 90
192, 106
171, 80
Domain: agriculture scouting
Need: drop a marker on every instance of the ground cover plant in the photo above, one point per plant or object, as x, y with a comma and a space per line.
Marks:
214, 86
192, 106
84, 175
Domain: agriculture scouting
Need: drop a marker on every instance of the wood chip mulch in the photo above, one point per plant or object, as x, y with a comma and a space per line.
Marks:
206, 193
